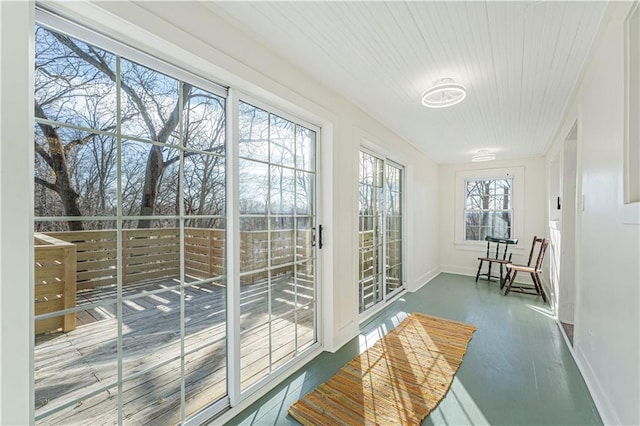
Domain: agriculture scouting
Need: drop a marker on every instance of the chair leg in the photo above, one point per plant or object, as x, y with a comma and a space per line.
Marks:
506, 279
513, 278
544, 298
535, 282
479, 268
489, 272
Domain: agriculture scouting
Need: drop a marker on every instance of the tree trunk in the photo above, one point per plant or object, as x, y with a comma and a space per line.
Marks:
505, 206
153, 172
70, 201
485, 221
155, 161
56, 158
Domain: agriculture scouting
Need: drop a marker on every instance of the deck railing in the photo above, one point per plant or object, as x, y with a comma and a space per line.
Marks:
55, 282
146, 254
149, 254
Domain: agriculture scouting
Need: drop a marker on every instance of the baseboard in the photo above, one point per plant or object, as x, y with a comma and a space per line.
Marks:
423, 279
471, 272
602, 403
343, 336
599, 396
459, 270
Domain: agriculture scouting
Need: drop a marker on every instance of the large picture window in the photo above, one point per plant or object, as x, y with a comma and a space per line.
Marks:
488, 208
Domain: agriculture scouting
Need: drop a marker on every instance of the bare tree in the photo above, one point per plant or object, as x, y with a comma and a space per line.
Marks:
487, 201
76, 84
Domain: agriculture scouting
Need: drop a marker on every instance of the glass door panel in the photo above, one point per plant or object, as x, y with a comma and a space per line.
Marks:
393, 228
380, 230
129, 207
370, 236
277, 248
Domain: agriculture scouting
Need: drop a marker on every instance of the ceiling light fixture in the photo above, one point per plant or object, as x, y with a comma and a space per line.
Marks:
483, 155
444, 93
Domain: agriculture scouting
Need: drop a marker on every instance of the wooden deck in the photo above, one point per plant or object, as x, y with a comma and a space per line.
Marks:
69, 366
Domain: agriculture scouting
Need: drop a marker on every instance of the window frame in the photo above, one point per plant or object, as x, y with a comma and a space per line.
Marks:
516, 174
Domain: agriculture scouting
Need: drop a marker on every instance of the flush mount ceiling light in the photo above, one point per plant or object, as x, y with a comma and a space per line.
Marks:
483, 155
444, 93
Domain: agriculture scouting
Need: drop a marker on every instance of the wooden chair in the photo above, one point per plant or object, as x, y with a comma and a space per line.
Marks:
500, 259
534, 271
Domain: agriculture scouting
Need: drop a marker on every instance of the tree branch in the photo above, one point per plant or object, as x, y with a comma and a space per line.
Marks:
174, 118
102, 65
46, 184
49, 132
189, 154
84, 140
44, 154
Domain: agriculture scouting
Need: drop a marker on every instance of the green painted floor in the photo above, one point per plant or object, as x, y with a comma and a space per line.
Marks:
517, 369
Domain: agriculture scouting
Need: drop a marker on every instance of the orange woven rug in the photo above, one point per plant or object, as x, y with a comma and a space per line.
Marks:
399, 380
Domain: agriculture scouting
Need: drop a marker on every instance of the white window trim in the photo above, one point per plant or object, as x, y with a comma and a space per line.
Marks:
517, 204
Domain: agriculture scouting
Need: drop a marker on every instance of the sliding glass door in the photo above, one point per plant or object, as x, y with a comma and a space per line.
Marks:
380, 230
149, 307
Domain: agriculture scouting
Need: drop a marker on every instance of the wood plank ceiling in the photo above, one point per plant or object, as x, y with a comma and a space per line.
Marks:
518, 60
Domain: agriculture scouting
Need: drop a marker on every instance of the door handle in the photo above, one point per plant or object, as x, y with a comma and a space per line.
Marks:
320, 243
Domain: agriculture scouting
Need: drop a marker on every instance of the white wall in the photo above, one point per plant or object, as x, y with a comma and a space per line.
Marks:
463, 259
607, 306
207, 45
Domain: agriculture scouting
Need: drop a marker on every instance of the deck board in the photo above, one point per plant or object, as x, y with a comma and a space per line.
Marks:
71, 365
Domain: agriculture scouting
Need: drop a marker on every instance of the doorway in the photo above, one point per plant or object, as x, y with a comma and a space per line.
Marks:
568, 220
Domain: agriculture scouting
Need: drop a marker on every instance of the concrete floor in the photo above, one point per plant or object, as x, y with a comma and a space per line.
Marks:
517, 369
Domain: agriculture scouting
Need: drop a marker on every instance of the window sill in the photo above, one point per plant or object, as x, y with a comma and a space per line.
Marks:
631, 213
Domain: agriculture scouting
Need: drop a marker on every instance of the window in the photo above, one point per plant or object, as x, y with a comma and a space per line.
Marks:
488, 202
488, 208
